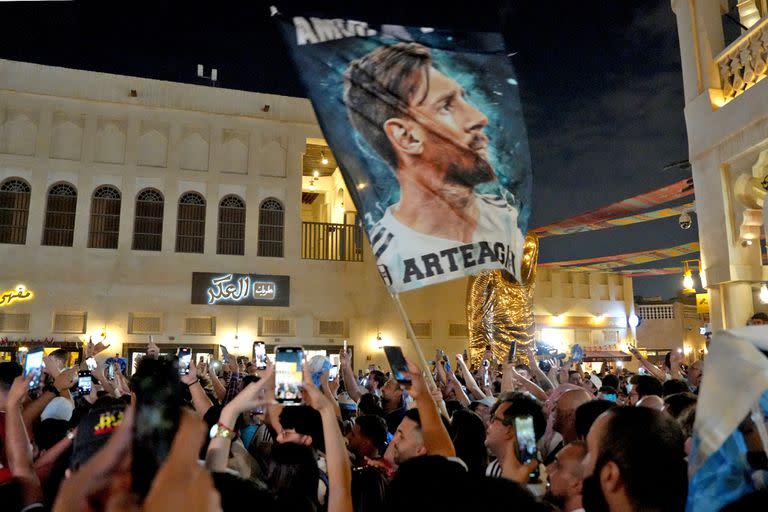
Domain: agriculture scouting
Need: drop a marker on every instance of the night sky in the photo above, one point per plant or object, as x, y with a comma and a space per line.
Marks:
600, 80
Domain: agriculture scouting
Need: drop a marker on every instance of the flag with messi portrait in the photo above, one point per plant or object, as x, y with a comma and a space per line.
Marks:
427, 128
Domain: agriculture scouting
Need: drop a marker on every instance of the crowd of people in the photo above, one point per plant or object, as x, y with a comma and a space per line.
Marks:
215, 439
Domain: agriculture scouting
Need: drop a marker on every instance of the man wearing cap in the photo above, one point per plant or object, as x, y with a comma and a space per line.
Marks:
95, 429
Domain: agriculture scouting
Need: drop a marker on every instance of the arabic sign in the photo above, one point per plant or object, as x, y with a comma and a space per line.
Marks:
21, 293
218, 289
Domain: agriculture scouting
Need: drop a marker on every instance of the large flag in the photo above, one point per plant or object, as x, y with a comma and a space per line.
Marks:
427, 128
734, 386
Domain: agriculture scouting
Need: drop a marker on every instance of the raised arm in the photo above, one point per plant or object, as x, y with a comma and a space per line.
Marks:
524, 383
218, 388
436, 438
652, 368
453, 383
339, 466
200, 400
469, 380
252, 396
545, 384
675, 359
354, 389
18, 450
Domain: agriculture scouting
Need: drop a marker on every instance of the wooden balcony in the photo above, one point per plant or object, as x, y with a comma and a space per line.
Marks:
332, 242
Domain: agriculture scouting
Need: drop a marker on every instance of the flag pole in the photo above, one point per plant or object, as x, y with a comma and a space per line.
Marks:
417, 346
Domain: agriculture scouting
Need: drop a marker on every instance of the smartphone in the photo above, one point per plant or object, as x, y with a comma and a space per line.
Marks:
345, 346
224, 354
91, 363
111, 372
84, 382
609, 396
259, 355
185, 357
333, 372
158, 400
397, 363
289, 363
526, 439
33, 365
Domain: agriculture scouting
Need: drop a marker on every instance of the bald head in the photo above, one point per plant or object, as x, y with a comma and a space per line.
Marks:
651, 402
565, 413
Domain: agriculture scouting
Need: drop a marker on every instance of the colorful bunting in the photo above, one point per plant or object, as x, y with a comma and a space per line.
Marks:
620, 212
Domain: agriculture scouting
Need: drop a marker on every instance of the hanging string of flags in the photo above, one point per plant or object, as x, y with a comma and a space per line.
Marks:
624, 212
622, 221
624, 260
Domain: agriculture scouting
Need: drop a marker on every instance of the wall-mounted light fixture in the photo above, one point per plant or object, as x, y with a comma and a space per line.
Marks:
689, 286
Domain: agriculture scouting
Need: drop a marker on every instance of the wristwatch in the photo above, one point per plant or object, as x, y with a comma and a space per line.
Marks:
221, 430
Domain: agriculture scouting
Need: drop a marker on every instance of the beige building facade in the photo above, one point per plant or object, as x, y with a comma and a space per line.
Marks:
133, 208
726, 111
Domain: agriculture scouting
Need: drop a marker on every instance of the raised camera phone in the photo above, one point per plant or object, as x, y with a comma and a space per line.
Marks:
259, 355
289, 363
185, 358
33, 365
224, 354
333, 372
91, 363
526, 439
84, 382
397, 363
158, 402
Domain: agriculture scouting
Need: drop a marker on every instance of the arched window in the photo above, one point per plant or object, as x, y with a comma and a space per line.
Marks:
148, 223
14, 211
105, 218
231, 239
271, 223
190, 223
60, 206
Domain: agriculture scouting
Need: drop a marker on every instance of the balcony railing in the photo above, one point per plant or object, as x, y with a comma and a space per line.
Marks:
742, 64
334, 242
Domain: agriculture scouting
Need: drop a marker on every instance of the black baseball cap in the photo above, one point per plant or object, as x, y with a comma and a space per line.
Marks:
95, 429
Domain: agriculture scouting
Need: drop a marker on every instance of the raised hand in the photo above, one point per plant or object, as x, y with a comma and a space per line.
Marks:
181, 483
18, 391
65, 380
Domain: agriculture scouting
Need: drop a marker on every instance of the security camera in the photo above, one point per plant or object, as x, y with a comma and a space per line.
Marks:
685, 221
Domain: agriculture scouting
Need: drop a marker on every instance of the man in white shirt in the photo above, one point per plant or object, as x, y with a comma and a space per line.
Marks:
420, 122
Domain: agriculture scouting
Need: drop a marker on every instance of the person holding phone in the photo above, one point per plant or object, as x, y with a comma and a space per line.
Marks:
421, 432
502, 436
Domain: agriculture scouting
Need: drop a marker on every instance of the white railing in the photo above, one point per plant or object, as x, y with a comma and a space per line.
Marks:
655, 311
743, 63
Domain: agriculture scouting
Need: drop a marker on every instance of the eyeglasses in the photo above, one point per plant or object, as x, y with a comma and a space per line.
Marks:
495, 418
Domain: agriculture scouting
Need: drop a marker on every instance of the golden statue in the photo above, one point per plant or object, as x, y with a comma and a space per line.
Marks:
500, 309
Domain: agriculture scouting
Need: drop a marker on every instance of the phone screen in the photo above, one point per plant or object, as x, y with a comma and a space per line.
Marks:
224, 354
259, 355
333, 372
84, 382
33, 365
609, 396
288, 367
397, 363
91, 363
185, 357
526, 439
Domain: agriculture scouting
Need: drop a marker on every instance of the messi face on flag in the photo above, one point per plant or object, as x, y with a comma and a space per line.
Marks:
428, 132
